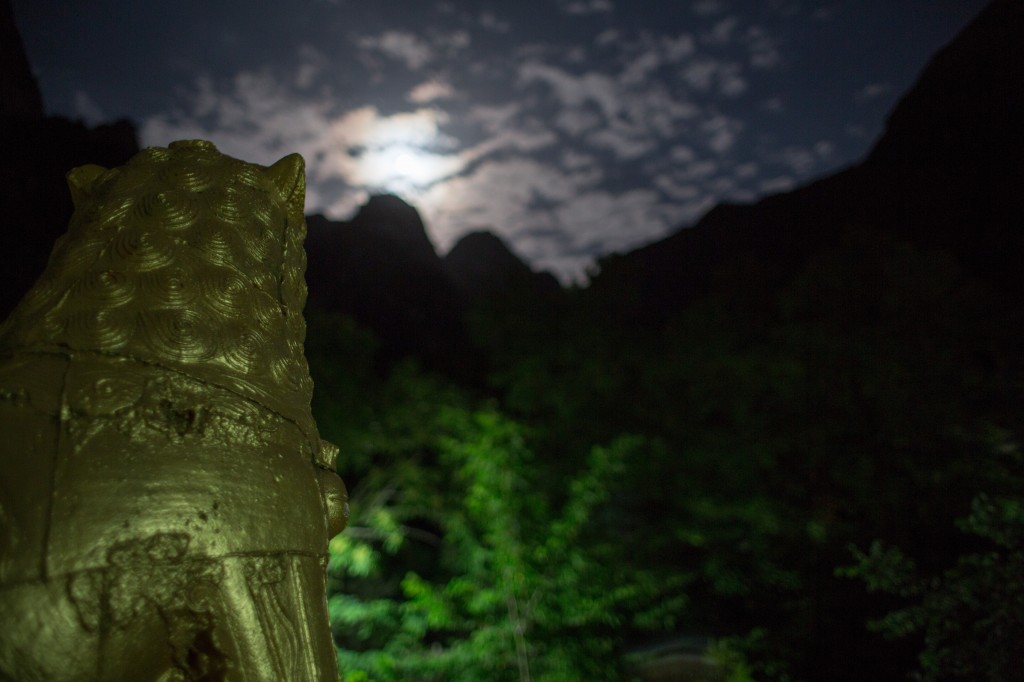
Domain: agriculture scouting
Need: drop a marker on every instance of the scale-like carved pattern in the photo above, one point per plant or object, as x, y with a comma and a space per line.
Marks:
165, 499
186, 258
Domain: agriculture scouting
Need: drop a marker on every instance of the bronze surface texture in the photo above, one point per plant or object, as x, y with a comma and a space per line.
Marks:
165, 498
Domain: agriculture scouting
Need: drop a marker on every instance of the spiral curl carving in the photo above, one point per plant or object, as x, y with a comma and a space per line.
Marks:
161, 444
174, 210
141, 250
225, 294
178, 334
104, 289
191, 178
183, 257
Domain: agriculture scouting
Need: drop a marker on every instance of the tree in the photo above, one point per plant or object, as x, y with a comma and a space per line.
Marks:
516, 592
970, 616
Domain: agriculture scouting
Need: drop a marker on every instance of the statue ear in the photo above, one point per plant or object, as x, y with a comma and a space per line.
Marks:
289, 177
81, 180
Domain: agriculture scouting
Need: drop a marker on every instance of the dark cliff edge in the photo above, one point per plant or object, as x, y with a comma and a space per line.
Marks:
38, 151
381, 269
946, 174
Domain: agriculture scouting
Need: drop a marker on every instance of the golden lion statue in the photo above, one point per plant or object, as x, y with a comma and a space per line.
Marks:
165, 498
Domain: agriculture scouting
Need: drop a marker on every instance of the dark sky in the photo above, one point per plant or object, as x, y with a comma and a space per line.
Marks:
572, 128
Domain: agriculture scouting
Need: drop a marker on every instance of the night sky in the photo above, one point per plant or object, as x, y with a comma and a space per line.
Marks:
572, 128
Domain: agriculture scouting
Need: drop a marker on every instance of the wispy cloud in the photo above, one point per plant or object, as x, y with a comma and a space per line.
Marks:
708, 7
413, 50
722, 32
777, 184
312, 63
401, 46
763, 48
259, 118
584, 149
88, 110
430, 91
721, 132
491, 22
583, 7
872, 91
706, 73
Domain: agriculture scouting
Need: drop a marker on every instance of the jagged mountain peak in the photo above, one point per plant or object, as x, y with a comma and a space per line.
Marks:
19, 92
968, 103
394, 219
946, 175
483, 265
480, 251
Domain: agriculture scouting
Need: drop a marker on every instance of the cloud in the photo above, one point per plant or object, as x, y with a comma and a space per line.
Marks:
401, 46
682, 154
676, 48
638, 70
777, 184
557, 218
694, 182
491, 22
700, 72
675, 191
258, 118
254, 117
824, 13
588, 148
746, 170
624, 114
698, 170
594, 220
798, 159
494, 117
506, 127
730, 82
312, 64
584, 7
804, 161
575, 122
573, 160
496, 193
857, 130
609, 36
721, 132
572, 90
431, 90
824, 148
704, 73
86, 108
722, 32
623, 142
871, 91
707, 8
763, 48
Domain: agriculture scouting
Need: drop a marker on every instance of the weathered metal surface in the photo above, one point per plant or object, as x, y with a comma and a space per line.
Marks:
165, 498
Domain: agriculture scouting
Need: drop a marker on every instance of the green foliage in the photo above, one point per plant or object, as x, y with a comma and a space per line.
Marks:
514, 594
777, 426
971, 615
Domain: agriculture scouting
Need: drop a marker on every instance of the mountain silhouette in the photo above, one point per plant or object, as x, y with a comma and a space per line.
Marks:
19, 91
38, 151
381, 269
946, 174
484, 267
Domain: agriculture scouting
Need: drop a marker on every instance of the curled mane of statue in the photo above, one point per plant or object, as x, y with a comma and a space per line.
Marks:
165, 498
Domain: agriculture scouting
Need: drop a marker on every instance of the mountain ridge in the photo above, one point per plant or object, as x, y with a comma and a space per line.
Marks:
910, 185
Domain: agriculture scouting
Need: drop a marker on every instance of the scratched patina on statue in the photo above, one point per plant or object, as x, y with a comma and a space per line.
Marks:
165, 498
